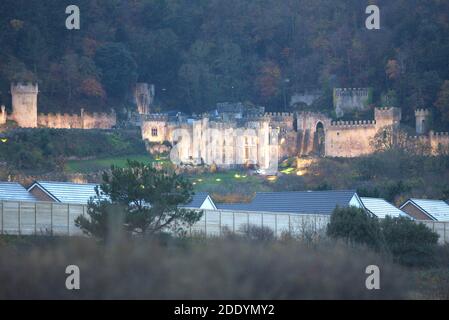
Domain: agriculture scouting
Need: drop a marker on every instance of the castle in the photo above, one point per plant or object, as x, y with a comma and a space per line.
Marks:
25, 113
262, 139
234, 134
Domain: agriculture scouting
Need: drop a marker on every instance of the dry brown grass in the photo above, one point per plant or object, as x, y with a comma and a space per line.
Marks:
192, 269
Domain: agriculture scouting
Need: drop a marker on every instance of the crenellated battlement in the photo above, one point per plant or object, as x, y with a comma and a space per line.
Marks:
155, 117
439, 134
84, 120
384, 109
24, 88
279, 114
422, 112
252, 118
387, 115
360, 123
420, 138
363, 92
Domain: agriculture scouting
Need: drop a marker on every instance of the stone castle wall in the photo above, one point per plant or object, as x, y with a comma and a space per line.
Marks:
350, 138
223, 143
84, 120
354, 138
24, 112
341, 138
282, 120
98, 120
439, 142
307, 124
59, 121
154, 128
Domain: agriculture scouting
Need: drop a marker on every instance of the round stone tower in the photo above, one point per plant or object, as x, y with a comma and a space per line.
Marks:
24, 104
422, 120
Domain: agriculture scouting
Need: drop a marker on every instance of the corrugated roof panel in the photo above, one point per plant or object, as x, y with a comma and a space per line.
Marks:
13, 191
381, 208
67, 192
300, 202
436, 208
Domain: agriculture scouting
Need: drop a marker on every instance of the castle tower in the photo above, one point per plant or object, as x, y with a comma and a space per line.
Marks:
387, 117
3, 115
422, 120
144, 95
24, 104
347, 100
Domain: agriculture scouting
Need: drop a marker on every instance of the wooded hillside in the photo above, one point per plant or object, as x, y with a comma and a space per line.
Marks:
201, 52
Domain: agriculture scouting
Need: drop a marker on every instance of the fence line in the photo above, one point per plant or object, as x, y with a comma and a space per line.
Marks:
50, 218
215, 222
27, 218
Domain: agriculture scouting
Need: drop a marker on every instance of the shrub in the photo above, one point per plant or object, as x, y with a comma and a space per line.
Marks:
258, 233
410, 243
213, 269
354, 225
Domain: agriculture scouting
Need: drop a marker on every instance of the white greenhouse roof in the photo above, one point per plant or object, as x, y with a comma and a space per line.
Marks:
67, 192
13, 191
381, 208
437, 209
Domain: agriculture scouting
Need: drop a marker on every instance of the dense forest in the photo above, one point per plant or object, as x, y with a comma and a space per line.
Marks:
201, 52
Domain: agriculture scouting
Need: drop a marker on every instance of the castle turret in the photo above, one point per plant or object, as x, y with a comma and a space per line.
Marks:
24, 104
3, 115
144, 96
422, 119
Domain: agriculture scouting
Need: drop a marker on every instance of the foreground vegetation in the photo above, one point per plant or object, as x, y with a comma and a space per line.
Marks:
222, 268
194, 269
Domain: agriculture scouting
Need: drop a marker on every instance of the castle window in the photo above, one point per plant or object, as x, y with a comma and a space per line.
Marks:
154, 132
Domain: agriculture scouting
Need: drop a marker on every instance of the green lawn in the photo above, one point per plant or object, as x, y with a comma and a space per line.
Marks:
86, 166
224, 182
228, 182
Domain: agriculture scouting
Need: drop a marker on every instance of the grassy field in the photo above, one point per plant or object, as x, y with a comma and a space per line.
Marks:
229, 182
94, 165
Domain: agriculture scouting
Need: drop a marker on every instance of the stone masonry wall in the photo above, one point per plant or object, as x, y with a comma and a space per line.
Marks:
351, 99
84, 120
350, 138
